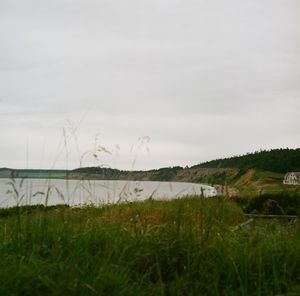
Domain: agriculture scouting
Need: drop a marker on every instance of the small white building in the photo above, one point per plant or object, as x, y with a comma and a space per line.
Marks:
292, 178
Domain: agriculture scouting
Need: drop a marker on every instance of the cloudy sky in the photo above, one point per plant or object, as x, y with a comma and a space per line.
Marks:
154, 82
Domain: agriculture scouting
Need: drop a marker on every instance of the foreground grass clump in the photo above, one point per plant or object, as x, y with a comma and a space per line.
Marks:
180, 247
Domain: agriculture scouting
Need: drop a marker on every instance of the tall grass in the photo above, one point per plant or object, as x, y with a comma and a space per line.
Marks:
180, 247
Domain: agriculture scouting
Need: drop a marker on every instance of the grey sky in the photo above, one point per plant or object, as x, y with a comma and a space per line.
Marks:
202, 79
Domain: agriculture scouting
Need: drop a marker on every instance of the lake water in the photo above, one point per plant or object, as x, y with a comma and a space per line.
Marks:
98, 192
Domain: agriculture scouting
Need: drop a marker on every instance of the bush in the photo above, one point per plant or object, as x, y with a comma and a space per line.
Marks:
276, 204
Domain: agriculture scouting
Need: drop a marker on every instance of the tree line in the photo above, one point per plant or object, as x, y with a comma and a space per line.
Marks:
276, 160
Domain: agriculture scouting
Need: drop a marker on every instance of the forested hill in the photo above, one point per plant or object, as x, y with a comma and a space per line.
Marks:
276, 160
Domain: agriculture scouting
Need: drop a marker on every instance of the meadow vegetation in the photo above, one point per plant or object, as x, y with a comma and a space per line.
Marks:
187, 246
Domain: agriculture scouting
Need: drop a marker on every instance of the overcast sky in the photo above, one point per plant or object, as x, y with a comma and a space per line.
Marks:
156, 83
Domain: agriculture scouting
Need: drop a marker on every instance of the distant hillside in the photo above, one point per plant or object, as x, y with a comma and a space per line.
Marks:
32, 173
162, 174
250, 174
276, 160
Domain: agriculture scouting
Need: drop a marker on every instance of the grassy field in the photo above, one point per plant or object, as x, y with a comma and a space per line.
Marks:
189, 246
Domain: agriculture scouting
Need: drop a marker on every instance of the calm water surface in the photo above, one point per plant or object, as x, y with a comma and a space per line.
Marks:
98, 192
